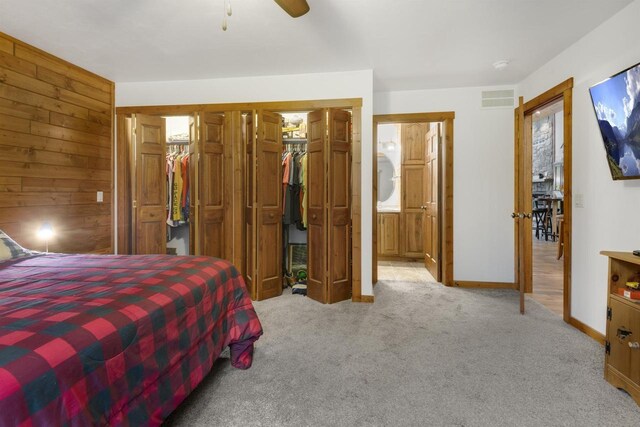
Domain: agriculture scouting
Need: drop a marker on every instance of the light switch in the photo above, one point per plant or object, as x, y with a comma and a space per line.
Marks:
100, 197
579, 199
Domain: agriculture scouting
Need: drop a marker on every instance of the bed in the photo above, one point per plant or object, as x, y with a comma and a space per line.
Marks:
114, 340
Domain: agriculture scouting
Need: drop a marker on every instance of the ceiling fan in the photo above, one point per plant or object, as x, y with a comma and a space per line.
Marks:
295, 8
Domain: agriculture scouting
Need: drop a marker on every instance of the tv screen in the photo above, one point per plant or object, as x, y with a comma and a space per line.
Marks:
616, 102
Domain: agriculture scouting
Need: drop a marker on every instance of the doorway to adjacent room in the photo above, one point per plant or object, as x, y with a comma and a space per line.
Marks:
413, 213
542, 201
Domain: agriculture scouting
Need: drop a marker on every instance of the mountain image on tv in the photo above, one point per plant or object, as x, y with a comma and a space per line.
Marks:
616, 102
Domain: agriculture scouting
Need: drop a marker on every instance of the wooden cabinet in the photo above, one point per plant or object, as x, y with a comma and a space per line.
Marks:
388, 234
622, 348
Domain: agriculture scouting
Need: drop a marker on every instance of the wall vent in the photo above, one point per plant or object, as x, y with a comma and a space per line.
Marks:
498, 98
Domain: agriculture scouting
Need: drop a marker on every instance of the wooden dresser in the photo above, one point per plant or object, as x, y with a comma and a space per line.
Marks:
622, 347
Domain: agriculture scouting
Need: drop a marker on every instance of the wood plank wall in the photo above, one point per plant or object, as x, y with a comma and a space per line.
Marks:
56, 139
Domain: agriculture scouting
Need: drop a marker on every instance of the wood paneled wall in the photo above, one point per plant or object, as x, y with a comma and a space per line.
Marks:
56, 139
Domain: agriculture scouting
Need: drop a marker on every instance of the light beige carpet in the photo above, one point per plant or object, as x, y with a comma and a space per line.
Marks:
422, 355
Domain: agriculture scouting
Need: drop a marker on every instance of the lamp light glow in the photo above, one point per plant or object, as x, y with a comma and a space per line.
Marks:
45, 233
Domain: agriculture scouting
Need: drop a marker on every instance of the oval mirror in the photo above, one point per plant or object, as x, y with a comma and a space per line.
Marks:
386, 183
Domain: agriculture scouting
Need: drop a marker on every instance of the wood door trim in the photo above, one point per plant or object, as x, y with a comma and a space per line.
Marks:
484, 285
564, 92
415, 117
446, 223
123, 152
551, 95
281, 106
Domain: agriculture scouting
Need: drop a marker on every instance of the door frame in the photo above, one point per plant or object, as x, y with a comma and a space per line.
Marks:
445, 220
234, 111
561, 92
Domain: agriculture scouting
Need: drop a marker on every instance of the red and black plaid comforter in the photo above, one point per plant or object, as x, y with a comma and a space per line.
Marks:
119, 340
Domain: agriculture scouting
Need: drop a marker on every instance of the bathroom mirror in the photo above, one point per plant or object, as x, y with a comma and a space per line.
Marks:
386, 182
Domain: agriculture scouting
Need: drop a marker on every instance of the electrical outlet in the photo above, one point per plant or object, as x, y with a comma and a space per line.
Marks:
100, 197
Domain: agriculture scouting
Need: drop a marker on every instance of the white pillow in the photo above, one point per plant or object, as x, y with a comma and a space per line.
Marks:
9, 249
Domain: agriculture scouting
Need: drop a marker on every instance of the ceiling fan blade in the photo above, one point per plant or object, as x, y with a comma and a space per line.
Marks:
295, 8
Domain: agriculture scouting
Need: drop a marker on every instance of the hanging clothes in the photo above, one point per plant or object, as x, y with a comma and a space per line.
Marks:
178, 188
303, 189
286, 194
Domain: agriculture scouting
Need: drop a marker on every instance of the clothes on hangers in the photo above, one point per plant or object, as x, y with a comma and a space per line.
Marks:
178, 186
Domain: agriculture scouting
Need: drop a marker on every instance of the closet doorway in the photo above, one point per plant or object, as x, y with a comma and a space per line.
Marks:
413, 194
172, 184
298, 203
236, 190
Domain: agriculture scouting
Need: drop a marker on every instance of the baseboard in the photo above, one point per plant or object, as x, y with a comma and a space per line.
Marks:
399, 258
483, 285
587, 330
363, 298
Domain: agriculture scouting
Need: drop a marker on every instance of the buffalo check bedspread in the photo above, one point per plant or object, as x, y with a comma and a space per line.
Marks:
115, 340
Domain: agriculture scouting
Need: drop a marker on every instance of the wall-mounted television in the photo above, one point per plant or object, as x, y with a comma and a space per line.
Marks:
616, 102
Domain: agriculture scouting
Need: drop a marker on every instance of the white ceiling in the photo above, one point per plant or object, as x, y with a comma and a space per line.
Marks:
410, 44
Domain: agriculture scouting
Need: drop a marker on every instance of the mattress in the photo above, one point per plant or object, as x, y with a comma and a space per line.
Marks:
115, 340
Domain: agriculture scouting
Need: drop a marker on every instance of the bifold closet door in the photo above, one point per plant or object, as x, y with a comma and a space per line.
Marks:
268, 199
149, 189
339, 206
329, 201
211, 186
316, 227
194, 238
250, 211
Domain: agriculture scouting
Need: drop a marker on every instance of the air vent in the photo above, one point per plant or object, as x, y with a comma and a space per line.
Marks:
498, 98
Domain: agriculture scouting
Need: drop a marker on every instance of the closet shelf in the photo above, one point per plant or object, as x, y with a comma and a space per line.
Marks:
294, 140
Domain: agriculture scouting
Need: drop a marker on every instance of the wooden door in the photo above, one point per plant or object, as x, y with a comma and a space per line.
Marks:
431, 212
269, 205
414, 188
522, 203
250, 205
150, 192
211, 188
316, 227
339, 205
194, 238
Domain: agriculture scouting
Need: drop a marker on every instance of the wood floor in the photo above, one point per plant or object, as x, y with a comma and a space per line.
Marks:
547, 275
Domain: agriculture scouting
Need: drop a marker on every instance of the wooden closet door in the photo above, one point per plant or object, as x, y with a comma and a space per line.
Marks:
316, 227
430, 221
269, 204
211, 185
150, 191
250, 205
339, 203
194, 237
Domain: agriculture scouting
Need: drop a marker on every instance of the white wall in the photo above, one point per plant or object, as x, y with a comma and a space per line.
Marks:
609, 219
483, 177
354, 84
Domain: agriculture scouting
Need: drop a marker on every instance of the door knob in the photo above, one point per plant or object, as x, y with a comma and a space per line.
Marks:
514, 215
528, 215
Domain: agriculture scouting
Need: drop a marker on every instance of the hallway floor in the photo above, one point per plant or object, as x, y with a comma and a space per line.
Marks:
404, 271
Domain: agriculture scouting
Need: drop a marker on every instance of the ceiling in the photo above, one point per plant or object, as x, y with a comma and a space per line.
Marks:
410, 44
